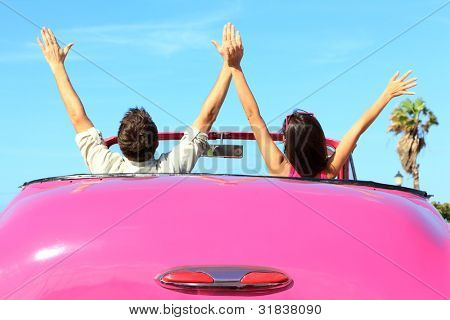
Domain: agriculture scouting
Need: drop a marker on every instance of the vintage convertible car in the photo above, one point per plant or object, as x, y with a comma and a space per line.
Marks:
211, 236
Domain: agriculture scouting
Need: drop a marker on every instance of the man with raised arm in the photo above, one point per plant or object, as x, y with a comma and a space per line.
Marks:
138, 134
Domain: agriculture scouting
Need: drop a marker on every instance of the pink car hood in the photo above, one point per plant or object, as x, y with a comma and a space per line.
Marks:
108, 238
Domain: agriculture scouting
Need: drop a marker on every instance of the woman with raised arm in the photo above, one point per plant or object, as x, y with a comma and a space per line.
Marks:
305, 153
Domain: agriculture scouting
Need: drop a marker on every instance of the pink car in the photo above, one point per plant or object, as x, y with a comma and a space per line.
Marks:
208, 236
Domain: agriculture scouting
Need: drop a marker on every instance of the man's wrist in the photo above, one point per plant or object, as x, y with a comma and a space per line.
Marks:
235, 69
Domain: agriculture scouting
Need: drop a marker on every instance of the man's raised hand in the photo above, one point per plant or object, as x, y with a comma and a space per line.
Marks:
222, 48
53, 53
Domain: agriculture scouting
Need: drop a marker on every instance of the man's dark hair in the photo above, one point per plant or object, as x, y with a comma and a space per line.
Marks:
138, 135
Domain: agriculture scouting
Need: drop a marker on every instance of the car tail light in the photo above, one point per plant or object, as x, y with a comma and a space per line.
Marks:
187, 277
231, 279
264, 278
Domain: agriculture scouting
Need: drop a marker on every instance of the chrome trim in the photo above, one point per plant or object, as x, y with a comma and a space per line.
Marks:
352, 166
150, 175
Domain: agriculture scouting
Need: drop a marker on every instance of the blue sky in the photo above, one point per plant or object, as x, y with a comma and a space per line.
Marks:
162, 49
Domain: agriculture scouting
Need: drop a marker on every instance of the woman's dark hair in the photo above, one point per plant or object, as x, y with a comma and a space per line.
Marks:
138, 135
305, 146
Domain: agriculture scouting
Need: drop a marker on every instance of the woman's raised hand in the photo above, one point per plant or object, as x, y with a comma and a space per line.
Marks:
398, 86
53, 53
231, 48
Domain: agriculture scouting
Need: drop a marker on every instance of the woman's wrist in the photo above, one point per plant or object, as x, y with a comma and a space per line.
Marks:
57, 68
386, 96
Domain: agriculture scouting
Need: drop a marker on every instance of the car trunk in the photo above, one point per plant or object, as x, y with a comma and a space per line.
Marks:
109, 238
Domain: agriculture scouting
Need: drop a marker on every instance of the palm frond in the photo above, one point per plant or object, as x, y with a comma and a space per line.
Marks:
408, 119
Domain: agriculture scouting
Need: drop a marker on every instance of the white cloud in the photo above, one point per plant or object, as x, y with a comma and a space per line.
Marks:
158, 38
21, 56
24, 52
340, 50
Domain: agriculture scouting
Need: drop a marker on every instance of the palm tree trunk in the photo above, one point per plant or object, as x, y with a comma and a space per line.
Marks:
415, 173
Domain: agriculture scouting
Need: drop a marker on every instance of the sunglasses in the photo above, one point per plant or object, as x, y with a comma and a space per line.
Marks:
298, 112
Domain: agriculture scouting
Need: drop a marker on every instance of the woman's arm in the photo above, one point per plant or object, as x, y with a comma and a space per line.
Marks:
273, 157
395, 87
55, 56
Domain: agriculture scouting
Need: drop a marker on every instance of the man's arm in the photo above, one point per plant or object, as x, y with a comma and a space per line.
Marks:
55, 56
214, 101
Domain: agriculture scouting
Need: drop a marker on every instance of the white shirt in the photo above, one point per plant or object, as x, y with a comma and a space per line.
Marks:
181, 159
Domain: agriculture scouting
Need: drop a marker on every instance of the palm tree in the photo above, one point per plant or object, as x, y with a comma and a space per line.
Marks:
413, 120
